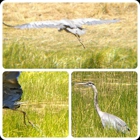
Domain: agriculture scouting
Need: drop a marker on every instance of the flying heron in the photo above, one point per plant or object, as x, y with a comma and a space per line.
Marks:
108, 120
73, 26
12, 93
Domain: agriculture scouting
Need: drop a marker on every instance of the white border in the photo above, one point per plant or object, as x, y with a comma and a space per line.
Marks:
68, 70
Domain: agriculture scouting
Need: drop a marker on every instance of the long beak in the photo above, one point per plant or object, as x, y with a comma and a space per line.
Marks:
20, 103
80, 84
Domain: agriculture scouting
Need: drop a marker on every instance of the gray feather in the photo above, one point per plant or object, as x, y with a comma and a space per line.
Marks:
64, 24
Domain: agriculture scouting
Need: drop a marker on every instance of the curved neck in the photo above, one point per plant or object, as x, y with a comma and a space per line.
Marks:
96, 100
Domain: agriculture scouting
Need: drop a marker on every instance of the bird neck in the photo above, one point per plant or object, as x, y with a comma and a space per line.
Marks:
96, 100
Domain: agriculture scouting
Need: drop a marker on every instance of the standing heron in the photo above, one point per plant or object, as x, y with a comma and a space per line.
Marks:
12, 93
73, 26
108, 120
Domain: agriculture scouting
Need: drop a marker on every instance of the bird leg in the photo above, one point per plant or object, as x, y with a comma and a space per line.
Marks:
78, 37
24, 117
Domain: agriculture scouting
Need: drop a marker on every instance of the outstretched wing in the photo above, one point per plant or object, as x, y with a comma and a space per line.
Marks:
91, 21
12, 91
38, 24
60, 23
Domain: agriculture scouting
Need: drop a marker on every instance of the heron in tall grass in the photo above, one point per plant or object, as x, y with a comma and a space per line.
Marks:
12, 93
108, 120
73, 26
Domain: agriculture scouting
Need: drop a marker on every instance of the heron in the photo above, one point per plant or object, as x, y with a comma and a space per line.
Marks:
12, 93
108, 120
73, 26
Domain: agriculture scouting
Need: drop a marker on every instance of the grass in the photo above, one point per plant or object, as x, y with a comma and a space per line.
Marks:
46, 104
107, 46
117, 94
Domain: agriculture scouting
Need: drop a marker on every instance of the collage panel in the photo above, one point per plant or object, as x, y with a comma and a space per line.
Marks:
35, 104
104, 104
68, 36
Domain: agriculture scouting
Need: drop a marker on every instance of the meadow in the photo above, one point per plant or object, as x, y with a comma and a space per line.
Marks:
45, 97
117, 95
107, 45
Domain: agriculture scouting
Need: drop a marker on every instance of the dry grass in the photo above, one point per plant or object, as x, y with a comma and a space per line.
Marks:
56, 11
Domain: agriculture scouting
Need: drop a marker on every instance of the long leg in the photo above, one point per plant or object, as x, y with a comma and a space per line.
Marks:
24, 117
78, 37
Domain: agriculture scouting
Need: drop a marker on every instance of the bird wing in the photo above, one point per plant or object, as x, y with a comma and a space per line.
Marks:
38, 24
92, 21
12, 91
59, 23
114, 121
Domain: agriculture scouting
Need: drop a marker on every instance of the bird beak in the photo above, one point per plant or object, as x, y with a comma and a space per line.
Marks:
81, 84
20, 103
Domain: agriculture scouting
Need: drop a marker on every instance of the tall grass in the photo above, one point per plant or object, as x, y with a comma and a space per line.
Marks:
117, 94
46, 103
107, 46
26, 57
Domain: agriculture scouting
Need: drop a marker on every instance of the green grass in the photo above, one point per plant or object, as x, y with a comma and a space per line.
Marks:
117, 95
46, 104
108, 57
107, 45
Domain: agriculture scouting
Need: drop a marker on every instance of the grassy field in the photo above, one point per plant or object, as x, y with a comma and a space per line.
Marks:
46, 98
107, 46
117, 94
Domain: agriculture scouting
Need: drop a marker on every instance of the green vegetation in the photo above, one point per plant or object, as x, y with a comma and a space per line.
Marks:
108, 57
46, 104
117, 94
107, 45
